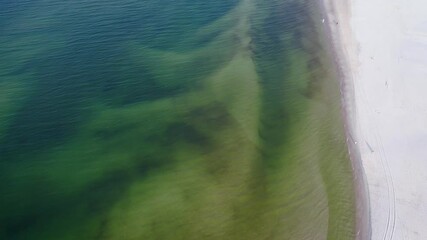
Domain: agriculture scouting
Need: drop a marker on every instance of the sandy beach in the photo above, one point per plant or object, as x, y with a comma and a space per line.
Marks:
382, 50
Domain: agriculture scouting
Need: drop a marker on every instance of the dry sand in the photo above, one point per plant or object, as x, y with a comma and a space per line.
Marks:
382, 47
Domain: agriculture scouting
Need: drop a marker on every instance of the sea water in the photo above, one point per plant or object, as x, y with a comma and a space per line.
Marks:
163, 119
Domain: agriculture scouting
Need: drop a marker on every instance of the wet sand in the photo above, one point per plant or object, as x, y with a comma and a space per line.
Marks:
382, 52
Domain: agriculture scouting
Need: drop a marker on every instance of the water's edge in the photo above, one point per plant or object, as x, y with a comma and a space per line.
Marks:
341, 66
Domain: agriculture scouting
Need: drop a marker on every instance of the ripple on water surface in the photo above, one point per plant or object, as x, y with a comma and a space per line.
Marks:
163, 119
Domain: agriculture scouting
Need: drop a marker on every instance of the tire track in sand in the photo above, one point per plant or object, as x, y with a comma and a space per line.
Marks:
391, 216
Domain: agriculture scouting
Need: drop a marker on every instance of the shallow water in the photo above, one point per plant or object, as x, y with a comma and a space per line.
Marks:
165, 119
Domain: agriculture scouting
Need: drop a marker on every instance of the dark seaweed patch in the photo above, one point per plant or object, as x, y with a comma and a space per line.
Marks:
275, 39
213, 116
102, 194
184, 132
81, 208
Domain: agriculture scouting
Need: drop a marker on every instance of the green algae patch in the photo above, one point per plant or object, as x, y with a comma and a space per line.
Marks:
226, 128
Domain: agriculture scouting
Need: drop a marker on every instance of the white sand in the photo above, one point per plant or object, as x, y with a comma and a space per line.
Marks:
383, 48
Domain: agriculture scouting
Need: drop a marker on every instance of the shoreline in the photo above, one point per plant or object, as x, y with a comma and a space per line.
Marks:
342, 65
380, 51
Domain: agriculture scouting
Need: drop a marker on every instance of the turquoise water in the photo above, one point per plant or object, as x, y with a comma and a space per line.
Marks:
163, 119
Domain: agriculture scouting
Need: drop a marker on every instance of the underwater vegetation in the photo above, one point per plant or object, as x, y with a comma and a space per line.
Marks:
163, 119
